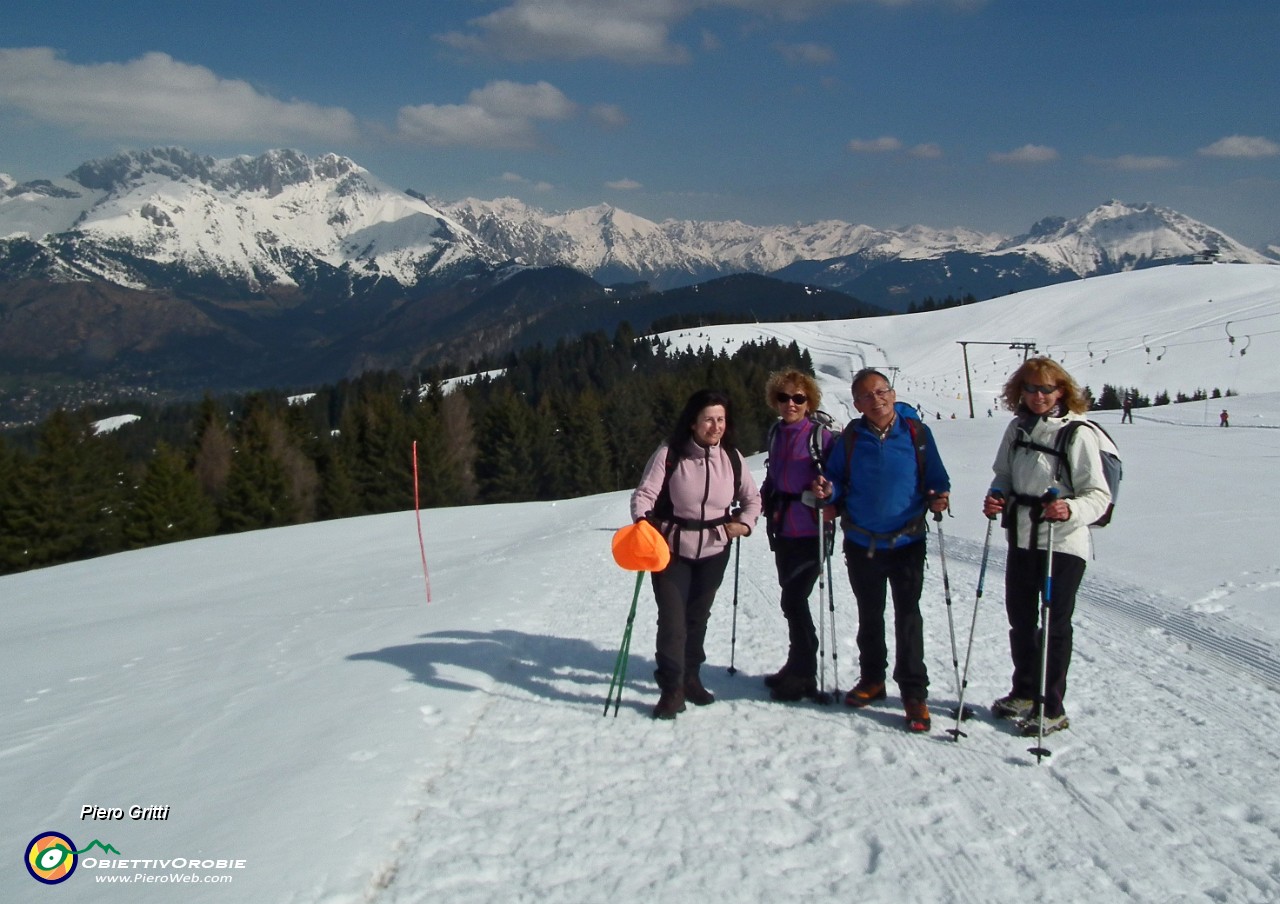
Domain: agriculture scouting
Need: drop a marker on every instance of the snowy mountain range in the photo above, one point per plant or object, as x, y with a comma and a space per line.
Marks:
161, 218
166, 217
168, 265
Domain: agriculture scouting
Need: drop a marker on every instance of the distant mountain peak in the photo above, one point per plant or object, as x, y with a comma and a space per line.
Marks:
270, 171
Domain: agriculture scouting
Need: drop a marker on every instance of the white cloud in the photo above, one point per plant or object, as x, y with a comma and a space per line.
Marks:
882, 145
624, 30
1241, 146
926, 151
806, 54
1028, 153
624, 185
518, 179
156, 97
609, 115
500, 115
1135, 162
632, 31
538, 101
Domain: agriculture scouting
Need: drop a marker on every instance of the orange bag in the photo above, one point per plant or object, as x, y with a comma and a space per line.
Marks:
639, 547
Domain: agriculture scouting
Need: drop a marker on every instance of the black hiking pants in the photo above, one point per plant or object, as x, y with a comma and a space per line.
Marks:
900, 570
1023, 583
798, 565
684, 591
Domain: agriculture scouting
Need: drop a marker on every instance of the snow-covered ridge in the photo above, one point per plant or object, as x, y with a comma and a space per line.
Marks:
275, 219
257, 219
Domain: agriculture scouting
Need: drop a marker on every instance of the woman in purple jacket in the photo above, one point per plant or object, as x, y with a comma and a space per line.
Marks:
798, 446
688, 492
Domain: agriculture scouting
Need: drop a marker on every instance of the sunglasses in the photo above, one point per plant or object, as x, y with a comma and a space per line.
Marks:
1034, 389
798, 398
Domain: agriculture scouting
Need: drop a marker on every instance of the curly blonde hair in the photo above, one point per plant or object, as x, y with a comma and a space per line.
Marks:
1044, 372
792, 380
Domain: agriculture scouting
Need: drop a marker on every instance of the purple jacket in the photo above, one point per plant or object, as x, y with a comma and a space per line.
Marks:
701, 488
791, 471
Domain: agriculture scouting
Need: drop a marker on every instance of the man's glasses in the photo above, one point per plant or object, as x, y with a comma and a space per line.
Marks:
1035, 389
798, 398
868, 397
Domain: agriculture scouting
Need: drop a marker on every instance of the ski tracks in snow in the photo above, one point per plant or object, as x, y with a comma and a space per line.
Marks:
545, 800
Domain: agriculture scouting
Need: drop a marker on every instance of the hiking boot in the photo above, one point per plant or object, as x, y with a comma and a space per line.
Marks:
670, 704
696, 694
1012, 707
792, 688
917, 715
864, 693
776, 678
1030, 726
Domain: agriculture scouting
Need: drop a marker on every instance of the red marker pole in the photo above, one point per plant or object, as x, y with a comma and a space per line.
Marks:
417, 511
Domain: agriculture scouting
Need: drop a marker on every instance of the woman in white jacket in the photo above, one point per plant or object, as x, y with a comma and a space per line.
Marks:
1036, 483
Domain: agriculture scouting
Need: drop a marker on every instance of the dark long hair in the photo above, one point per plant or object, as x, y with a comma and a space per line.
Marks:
683, 430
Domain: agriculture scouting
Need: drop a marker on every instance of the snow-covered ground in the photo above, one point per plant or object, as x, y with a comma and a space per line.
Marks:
296, 704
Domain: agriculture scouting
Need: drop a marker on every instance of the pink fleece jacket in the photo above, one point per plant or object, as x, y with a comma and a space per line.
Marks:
701, 488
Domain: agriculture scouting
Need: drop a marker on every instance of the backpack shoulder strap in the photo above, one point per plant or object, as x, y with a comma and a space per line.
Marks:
919, 441
735, 462
849, 435
662, 505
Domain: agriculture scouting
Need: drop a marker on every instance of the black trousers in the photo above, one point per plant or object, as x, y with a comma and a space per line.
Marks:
900, 570
684, 592
798, 565
1023, 583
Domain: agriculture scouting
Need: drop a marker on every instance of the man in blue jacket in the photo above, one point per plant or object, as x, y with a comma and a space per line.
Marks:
885, 475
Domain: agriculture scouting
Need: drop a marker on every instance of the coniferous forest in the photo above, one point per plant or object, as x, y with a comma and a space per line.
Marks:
549, 423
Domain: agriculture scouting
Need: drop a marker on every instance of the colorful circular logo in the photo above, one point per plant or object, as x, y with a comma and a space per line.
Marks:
51, 858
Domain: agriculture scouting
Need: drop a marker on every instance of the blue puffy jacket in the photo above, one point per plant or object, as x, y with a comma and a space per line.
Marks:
879, 492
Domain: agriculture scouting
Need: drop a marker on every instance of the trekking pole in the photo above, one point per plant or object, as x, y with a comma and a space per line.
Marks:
1040, 750
822, 631
624, 651
956, 733
830, 542
733, 636
946, 594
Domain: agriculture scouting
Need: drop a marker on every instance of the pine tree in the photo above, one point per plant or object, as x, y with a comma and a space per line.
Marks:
168, 504
584, 446
69, 504
376, 435
211, 460
257, 489
504, 458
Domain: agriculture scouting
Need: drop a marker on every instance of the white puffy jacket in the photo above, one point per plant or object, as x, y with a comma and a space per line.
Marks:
1030, 472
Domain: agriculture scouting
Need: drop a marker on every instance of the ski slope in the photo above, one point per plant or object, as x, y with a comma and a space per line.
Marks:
302, 709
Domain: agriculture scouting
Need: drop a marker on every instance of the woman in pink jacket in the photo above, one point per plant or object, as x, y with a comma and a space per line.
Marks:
696, 490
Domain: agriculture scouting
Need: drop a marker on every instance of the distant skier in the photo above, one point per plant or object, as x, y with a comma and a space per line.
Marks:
1128, 410
1223, 419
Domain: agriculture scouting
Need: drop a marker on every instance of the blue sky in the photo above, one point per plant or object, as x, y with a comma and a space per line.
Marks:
988, 114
